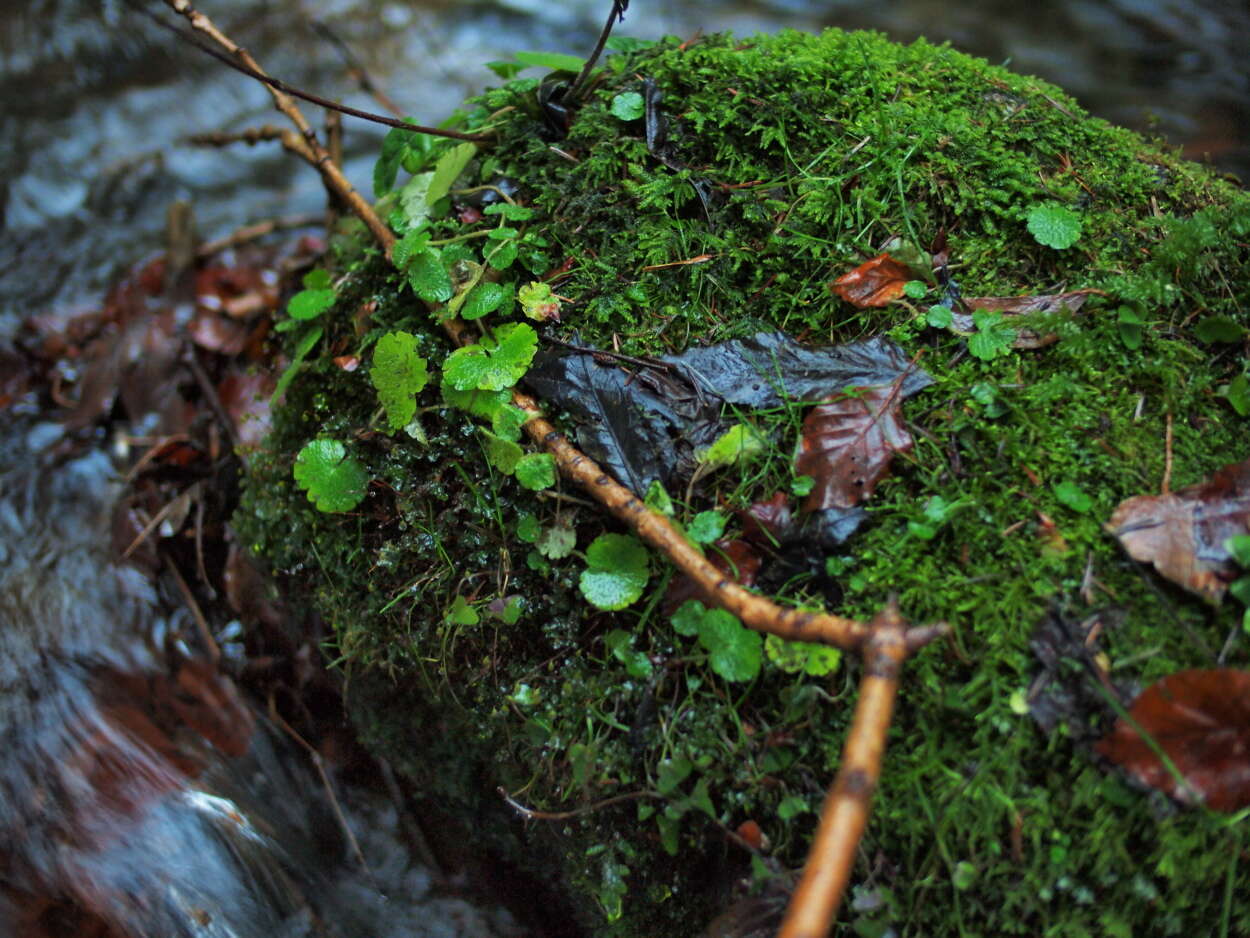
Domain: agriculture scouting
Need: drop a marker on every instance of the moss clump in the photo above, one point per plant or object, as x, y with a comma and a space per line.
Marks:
790, 159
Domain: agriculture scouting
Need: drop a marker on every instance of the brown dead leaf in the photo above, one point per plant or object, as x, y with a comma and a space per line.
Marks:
1011, 306
877, 282
1201, 720
847, 446
1183, 533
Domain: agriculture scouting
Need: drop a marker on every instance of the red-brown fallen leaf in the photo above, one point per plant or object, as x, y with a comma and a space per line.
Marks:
766, 522
1011, 306
736, 558
847, 446
1201, 720
1183, 533
877, 282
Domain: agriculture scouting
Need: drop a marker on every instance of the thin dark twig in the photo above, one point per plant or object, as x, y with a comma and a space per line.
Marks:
530, 814
617, 14
294, 92
355, 67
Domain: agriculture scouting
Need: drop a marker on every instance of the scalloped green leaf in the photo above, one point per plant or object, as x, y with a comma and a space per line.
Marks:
398, 374
484, 404
509, 210
1054, 226
493, 365
706, 527
500, 453
536, 471
734, 651
412, 243
429, 278
688, 616
627, 106
617, 570
993, 336
333, 480
484, 298
802, 657
556, 542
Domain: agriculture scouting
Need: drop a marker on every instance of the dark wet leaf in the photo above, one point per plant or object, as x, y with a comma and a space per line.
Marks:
770, 367
634, 424
848, 444
1184, 534
877, 282
1201, 720
1073, 683
644, 423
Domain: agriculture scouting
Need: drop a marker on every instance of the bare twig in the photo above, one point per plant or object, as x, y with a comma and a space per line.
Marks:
249, 67
845, 813
254, 231
320, 159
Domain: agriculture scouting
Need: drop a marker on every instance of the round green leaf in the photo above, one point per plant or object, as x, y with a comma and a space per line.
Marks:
309, 304
1072, 495
688, 616
1054, 226
706, 527
616, 571
333, 480
734, 651
536, 471
627, 106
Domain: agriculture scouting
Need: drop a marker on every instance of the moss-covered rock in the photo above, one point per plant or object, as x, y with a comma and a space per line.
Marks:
789, 160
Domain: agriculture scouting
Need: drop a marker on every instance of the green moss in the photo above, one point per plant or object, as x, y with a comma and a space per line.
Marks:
809, 152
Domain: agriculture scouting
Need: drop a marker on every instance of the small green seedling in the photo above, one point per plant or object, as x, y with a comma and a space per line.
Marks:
1239, 546
1238, 394
993, 336
1073, 496
333, 480
461, 613
706, 527
617, 570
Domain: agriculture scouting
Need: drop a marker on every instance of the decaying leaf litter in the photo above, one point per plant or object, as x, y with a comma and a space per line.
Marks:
988, 396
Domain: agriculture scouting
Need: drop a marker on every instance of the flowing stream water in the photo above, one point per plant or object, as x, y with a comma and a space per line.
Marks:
216, 831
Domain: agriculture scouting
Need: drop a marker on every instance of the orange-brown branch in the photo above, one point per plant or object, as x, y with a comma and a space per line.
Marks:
847, 806
320, 159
